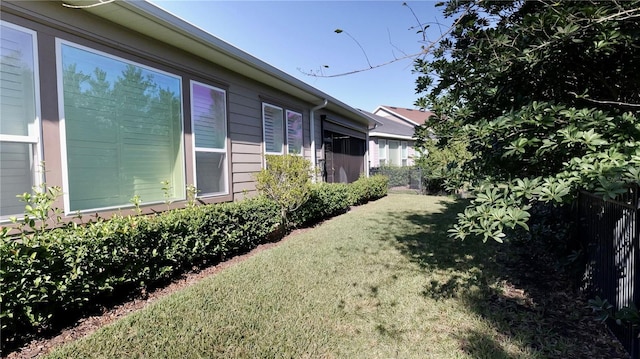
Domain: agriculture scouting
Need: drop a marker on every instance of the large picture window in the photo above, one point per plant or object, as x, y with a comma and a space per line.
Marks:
19, 117
121, 128
209, 118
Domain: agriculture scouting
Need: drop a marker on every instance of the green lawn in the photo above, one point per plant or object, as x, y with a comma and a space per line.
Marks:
382, 281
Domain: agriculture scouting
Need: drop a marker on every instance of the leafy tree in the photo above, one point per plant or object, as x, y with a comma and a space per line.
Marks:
547, 94
442, 161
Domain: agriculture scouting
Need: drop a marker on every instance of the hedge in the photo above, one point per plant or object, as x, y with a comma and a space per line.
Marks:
51, 272
368, 188
64, 268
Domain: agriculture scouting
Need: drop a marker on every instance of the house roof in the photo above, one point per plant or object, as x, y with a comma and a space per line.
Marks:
386, 127
416, 117
150, 20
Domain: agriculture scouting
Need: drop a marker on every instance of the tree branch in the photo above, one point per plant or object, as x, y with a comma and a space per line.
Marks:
394, 46
425, 50
424, 36
619, 16
605, 102
339, 31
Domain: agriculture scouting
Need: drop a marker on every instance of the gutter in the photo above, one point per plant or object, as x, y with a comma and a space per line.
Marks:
391, 135
312, 134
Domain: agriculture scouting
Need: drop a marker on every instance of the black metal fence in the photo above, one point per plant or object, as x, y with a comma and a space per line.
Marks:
610, 228
401, 178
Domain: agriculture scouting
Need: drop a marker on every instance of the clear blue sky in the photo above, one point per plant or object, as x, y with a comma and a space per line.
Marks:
298, 36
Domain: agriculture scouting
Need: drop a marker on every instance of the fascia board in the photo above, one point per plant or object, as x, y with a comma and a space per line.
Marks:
388, 135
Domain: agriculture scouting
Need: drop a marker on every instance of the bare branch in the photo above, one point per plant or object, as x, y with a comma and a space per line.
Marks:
420, 25
425, 50
605, 102
620, 16
339, 31
99, 3
394, 46
361, 70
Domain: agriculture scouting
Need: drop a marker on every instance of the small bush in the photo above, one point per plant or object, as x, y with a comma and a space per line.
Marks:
286, 181
331, 199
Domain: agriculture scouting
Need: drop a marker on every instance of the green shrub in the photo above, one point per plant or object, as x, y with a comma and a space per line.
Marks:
326, 200
50, 272
368, 188
331, 199
46, 273
286, 181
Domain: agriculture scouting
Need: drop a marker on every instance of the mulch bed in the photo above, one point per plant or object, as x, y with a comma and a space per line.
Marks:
534, 284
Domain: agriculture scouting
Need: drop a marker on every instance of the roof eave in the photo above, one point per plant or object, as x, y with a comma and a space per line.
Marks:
389, 135
152, 21
391, 112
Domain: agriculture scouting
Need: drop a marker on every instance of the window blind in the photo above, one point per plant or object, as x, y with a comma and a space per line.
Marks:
123, 129
19, 134
273, 128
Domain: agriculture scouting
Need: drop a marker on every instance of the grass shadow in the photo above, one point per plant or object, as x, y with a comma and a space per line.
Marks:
512, 286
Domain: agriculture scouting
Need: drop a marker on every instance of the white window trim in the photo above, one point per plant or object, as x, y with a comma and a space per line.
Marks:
34, 130
264, 135
63, 137
207, 149
19, 139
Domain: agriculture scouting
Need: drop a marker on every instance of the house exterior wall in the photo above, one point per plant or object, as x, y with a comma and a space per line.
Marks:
244, 97
374, 151
345, 156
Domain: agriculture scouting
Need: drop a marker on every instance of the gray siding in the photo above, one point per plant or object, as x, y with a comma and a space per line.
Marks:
244, 95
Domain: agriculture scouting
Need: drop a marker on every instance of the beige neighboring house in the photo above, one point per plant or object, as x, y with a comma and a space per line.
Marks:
120, 97
391, 139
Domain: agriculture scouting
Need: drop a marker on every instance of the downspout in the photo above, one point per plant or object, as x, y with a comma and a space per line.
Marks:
367, 149
312, 134
367, 159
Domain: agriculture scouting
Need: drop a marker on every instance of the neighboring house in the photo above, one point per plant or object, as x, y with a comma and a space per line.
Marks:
391, 139
120, 97
406, 115
391, 142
